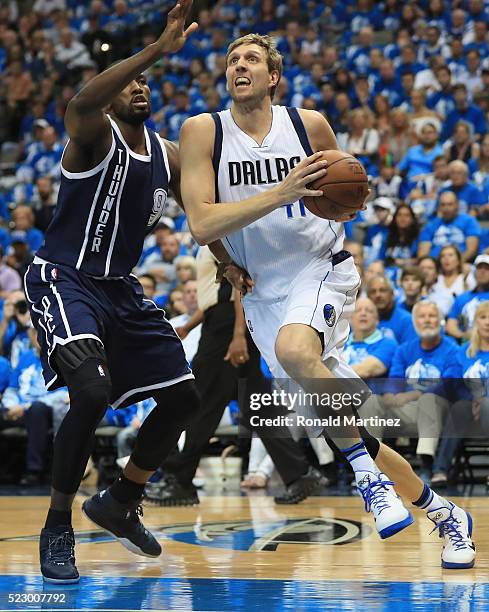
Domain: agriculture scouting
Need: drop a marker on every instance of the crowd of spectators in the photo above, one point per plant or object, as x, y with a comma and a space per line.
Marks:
405, 86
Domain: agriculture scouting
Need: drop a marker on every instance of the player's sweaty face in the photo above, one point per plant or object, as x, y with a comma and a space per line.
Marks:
133, 104
247, 73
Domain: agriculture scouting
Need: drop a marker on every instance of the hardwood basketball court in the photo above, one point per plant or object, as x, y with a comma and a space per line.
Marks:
247, 553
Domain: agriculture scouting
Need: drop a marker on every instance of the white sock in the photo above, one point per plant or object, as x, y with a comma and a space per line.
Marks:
359, 458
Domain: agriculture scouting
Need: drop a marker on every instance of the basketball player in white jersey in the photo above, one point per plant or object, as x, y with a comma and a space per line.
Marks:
255, 161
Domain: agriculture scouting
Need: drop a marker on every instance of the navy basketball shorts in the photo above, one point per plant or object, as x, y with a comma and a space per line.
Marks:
143, 351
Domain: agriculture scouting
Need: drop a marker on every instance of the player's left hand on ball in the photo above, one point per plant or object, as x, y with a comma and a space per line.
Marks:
175, 35
343, 215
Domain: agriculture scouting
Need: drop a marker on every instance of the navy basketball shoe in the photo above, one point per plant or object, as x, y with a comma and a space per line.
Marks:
122, 521
57, 552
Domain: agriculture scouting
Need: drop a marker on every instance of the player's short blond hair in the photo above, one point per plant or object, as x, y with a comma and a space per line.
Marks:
274, 58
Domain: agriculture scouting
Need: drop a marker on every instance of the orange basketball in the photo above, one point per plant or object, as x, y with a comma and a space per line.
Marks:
344, 186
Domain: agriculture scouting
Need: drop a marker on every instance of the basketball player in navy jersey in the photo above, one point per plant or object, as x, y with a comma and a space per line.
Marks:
98, 333
255, 161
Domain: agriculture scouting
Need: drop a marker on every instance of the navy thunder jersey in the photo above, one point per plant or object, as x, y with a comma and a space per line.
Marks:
104, 214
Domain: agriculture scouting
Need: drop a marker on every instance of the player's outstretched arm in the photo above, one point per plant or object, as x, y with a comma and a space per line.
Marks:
209, 222
85, 120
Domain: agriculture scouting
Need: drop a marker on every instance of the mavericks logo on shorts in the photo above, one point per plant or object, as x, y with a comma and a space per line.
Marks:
159, 199
329, 315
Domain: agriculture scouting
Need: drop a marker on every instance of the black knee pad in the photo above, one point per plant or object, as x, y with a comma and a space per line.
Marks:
69, 357
83, 365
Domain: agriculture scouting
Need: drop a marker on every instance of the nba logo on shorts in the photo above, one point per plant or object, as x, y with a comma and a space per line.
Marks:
100, 370
54, 274
250, 326
329, 315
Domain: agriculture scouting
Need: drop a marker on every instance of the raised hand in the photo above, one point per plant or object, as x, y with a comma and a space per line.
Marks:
175, 35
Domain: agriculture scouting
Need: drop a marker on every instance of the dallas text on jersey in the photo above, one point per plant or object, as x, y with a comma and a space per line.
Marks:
260, 171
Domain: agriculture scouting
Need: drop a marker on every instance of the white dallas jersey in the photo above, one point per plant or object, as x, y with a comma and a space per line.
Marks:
277, 247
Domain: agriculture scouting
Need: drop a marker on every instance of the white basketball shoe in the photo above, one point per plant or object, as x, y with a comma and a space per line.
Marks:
381, 499
455, 526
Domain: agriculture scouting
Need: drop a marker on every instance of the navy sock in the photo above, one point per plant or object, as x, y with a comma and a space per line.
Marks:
55, 518
429, 500
124, 490
424, 497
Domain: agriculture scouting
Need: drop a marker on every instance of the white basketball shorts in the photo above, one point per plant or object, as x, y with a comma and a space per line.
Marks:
321, 296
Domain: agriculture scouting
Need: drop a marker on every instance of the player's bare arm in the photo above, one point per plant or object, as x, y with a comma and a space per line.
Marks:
86, 121
217, 248
208, 222
174, 163
319, 133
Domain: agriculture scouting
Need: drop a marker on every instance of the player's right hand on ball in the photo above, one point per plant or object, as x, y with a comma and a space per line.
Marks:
294, 186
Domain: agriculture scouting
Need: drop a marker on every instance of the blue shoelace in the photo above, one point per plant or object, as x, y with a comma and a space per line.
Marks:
451, 527
376, 495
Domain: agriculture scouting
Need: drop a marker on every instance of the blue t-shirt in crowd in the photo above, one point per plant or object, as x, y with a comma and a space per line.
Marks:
399, 251
5, 372
475, 371
375, 345
375, 239
418, 161
4, 239
442, 103
411, 361
484, 242
398, 326
442, 233
392, 90
358, 59
472, 115
469, 196
46, 162
16, 342
464, 307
